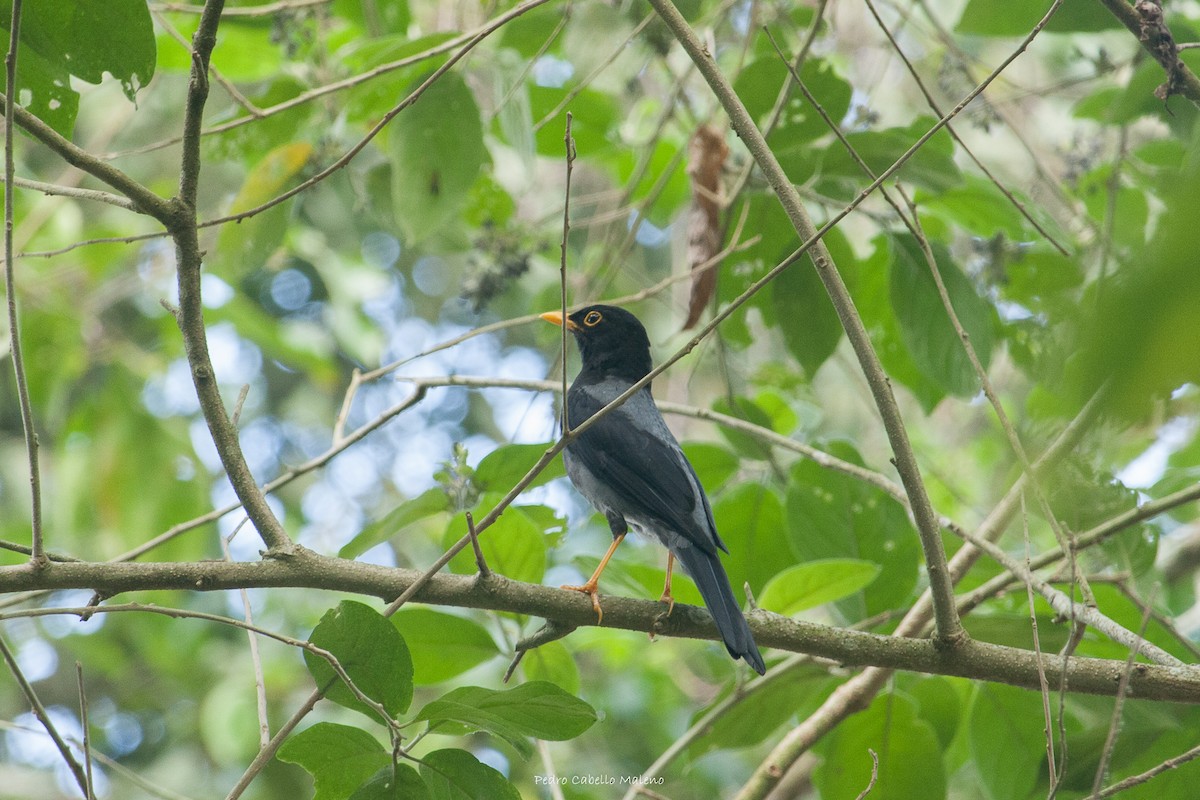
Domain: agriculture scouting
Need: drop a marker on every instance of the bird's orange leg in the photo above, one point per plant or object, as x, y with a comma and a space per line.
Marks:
666, 595
589, 588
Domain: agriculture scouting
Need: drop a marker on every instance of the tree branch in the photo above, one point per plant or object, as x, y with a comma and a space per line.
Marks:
975, 660
182, 226
37, 553
1144, 21
949, 628
144, 200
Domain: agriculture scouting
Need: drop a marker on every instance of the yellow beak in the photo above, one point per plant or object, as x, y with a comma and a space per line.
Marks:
557, 318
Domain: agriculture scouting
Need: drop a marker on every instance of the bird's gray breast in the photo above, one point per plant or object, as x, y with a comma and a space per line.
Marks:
641, 431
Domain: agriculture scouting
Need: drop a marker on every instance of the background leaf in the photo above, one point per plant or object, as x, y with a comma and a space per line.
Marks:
371, 651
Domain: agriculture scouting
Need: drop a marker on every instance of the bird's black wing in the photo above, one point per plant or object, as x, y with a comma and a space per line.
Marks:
644, 467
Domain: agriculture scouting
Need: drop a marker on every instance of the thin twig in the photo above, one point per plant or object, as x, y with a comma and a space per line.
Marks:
39, 711
58, 190
564, 332
260, 681
480, 561
37, 554
1071, 610
1110, 741
1137, 780
1044, 685
87, 732
989, 391
874, 775
949, 628
933, 105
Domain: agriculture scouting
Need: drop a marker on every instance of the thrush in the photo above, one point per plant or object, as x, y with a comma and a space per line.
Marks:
631, 469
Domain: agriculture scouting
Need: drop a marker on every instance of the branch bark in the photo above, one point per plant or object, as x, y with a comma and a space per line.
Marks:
1144, 20
949, 628
974, 660
181, 224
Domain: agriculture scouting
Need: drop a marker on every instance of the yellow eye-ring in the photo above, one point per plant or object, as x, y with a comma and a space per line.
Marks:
593, 319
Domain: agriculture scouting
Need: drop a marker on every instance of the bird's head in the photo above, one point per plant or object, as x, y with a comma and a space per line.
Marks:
612, 343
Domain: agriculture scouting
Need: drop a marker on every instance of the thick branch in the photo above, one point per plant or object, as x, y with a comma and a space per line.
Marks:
1150, 31
144, 200
975, 660
182, 227
949, 628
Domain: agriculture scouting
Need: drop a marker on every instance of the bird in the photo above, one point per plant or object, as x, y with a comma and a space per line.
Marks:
630, 467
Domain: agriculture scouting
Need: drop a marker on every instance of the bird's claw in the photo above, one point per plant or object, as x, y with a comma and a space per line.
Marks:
591, 590
669, 599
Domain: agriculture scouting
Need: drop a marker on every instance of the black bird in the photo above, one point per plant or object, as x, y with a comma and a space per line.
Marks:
629, 466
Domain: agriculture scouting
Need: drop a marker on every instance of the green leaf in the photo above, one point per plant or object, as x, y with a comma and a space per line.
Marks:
340, 758
533, 709
713, 463
247, 49
806, 586
246, 246
84, 40
458, 775
436, 149
758, 87
552, 662
393, 782
833, 515
593, 114
1017, 18
935, 345
370, 650
1143, 332
442, 645
368, 101
939, 703
392, 17
663, 179
810, 325
744, 408
749, 518
978, 206
932, 166
500, 469
910, 755
869, 282
763, 709
426, 504
1005, 727
514, 545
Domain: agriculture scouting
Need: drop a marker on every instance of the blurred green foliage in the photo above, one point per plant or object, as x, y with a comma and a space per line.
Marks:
450, 220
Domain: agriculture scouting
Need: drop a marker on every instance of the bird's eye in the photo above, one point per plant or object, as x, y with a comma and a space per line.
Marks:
593, 319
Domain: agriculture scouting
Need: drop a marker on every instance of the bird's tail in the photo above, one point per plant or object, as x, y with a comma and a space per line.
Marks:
710, 578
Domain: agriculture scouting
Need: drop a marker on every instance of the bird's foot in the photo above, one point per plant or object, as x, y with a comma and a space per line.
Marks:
669, 599
591, 590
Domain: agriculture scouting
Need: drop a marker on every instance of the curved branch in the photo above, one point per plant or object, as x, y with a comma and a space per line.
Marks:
949, 628
144, 200
1144, 21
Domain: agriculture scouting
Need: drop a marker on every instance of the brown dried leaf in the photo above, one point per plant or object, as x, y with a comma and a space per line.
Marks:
707, 152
